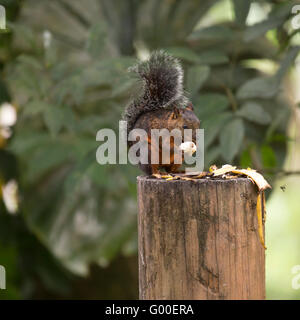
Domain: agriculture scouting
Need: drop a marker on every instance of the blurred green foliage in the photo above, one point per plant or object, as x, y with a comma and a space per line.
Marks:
63, 66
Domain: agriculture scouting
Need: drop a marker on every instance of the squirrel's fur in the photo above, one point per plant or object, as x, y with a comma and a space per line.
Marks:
161, 105
162, 78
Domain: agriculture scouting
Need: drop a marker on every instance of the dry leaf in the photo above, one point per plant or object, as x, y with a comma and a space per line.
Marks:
260, 219
256, 177
225, 169
201, 175
195, 173
213, 168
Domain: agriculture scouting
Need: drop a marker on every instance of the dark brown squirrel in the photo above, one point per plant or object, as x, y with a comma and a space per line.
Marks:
161, 105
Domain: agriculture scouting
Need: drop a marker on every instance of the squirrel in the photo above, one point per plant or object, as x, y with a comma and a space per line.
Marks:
162, 104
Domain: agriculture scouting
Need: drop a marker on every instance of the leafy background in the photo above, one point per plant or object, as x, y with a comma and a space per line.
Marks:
63, 69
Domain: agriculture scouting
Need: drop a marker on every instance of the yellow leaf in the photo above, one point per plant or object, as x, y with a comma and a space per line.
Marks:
225, 169
213, 168
260, 219
256, 177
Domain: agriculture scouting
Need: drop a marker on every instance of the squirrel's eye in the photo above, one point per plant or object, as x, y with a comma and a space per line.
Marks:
185, 126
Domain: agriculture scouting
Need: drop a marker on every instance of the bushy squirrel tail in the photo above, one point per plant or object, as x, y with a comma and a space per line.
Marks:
162, 78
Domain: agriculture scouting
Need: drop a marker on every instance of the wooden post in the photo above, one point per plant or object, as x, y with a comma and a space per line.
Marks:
199, 240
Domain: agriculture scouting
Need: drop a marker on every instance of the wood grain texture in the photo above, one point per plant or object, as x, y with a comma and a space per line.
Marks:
199, 240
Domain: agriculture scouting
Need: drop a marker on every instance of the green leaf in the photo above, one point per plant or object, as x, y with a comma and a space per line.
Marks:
281, 117
261, 28
253, 111
54, 119
96, 40
35, 107
31, 61
196, 77
211, 155
122, 86
213, 125
279, 137
25, 33
268, 156
263, 87
184, 53
287, 62
231, 139
209, 104
4, 94
245, 160
241, 10
46, 157
260, 87
214, 33
80, 170
278, 16
213, 57
26, 141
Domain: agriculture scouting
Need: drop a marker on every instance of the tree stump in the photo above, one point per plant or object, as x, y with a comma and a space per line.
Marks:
199, 240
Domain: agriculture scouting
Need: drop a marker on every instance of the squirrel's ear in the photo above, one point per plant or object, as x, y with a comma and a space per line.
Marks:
190, 107
175, 114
